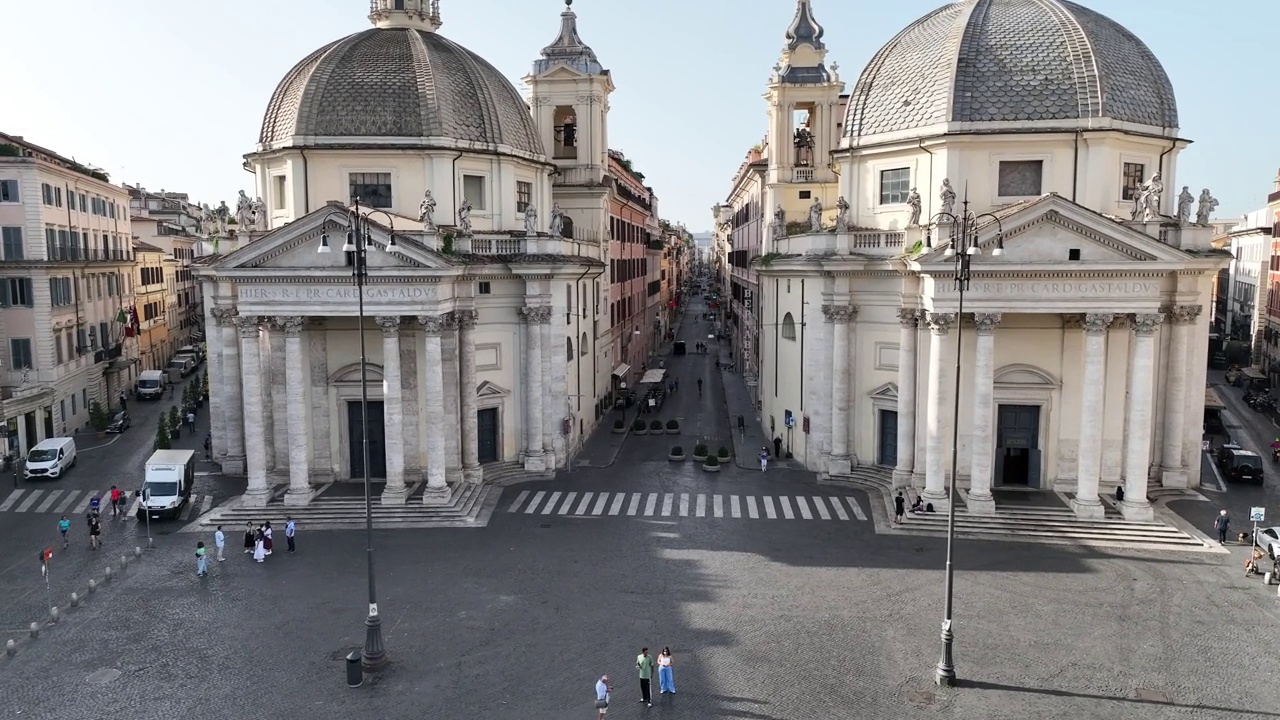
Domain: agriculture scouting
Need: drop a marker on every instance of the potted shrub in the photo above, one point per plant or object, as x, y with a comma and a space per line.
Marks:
655, 427
175, 421
162, 434
673, 427
711, 464
98, 417
639, 428
677, 454
723, 454
700, 452
619, 427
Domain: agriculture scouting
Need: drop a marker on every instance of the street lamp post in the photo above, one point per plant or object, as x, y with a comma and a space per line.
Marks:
962, 246
373, 657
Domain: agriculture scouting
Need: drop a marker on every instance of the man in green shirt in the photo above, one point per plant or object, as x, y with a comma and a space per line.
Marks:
645, 663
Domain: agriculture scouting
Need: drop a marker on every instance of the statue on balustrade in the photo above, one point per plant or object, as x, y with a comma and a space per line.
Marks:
223, 213
244, 212
1185, 198
1151, 193
842, 214
427, 212
530, 220
778, 227
1208, 204
464, 217
261, 223
815, 216
948, 198
556, 228
913, 202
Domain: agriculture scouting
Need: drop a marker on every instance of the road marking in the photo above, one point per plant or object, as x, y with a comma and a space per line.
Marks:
840, 513
751, 508
49, 501
206, 505
550, 507
735, 510
601, 501
717, 506
821, 507
1217, 474
568, 503
586, 502
84, 502
785, 503
617, 503
804, 508
137, 503
67, 501
853, 505
186, 512
701, 509
768, 508
650, 503
13, 498
515, 506
684, 504
667, 500
634, 504
31, 500
533, 504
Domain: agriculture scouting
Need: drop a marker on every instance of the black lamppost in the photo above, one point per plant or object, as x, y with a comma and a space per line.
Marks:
374, 655
962, 246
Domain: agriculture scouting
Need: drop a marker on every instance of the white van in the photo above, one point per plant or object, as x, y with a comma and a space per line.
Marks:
170, 474
51, 458
150, 385
195, 351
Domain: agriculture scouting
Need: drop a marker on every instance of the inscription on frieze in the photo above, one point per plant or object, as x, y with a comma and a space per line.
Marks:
333, 293
1058, 288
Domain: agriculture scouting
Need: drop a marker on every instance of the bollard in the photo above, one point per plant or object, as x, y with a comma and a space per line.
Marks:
10, 648
355, 675
137, 552
124, 562
151, 543
75, 600
92, 586
53, 614
35, 630
108, 577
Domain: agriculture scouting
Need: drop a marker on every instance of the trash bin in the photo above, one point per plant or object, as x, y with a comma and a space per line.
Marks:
355, 675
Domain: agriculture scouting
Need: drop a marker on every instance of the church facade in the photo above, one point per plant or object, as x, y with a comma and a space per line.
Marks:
485, 273
1075, 360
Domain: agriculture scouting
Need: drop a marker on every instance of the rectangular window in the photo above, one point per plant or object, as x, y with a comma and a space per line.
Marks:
9, 191
371, 189
11, 243
1132, 180
20, 354
1020, 178
57, 196
46, 193
84, 203
82, 342
524, 196
484, 287
58, 358
278, 187
473, 190
895, 186
15, 292
805, 194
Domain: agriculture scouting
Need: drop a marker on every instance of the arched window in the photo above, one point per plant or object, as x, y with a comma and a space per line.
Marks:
788, 327
569, 347
566, 229
582, 345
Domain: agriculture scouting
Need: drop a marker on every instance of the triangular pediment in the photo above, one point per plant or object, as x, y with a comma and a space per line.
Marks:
1053, 231
562, 72
296, 247
488, 389
887, 391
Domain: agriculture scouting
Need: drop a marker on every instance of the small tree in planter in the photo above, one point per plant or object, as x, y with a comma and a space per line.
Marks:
723, 453
187, 395
639, 428
99, 418
175, 421
711, 464
677, 454
673, 427
700, 452
619, 427
162, 434
655, 427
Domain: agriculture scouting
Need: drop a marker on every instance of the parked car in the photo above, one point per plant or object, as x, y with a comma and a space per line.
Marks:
119, 423
1269, 540
1240, 465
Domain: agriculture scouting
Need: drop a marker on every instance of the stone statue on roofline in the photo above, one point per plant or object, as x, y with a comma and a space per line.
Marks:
556, 225
815, 216
427, 212
244, 212
1152, 192
530, 220
842, 214
947, 196
914, 202
1208, 204
464, 217
1185, 198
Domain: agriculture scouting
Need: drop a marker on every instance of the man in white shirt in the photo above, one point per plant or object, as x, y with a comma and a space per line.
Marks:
602, 696
220, 542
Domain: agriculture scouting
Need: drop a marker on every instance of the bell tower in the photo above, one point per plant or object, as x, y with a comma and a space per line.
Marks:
416, 14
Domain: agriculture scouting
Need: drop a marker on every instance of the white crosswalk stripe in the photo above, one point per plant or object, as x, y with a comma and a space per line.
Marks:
533, 504
821, 506
67, 501
13, 498
586, 502
515, 506
568, 503
804, 508
650, 503
49, 501
857, 509
717, 505
768, 508
684, 505
751, 507
701, 510
74, 502
551, 503
667, 500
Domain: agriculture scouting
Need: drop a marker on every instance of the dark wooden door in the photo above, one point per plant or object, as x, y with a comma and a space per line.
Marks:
487, 437
888, 438
1017, 445
377, 440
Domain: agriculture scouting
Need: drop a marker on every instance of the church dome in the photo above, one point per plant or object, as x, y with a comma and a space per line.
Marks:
398, 82
1051, 63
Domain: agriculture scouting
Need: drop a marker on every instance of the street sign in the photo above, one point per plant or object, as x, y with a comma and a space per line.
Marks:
1257, 514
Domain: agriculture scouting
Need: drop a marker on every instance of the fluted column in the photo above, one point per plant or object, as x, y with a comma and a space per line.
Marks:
217, 354
395, 492
534, 456
437, 491
840, 315
232, 460
935, 471
258, 491
1093, 390
296, 367
1172, 471
453, 429
471, 470
1137, 420
980, 500
277, 410
908, 340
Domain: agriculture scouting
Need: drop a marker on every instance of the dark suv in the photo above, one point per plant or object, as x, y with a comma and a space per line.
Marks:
1240, 465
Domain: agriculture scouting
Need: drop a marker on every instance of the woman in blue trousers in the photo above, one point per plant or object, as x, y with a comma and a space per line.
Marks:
666, 678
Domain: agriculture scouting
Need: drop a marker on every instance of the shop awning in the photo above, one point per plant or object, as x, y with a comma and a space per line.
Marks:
622, 370
653, 376
1212, 401
1254, 373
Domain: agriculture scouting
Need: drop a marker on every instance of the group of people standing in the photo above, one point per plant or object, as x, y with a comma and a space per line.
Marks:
645, 664
258, 541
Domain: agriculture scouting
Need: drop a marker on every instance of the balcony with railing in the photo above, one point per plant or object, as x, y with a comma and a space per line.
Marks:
57, 252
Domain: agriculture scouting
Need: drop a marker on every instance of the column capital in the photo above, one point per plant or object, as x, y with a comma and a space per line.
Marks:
224, 316
1122, 322
909, 317
1181, 314
535, 315
249, 325
1145, 325
940, 323
1097, 323
466, 319
840, 313
290, 324
431, 324
390, 325
986, 322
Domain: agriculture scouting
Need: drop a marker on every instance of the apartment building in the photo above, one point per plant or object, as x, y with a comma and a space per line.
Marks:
65, 285
170, 222
633, 225
151, 297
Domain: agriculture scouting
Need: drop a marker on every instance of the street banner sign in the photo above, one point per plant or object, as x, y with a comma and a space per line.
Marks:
1257, 514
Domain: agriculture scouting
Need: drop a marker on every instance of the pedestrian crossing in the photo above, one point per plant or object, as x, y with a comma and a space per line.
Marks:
76, 502
696, 505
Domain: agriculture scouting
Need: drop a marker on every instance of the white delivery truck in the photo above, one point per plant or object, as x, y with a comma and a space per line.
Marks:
167, 485
150, 385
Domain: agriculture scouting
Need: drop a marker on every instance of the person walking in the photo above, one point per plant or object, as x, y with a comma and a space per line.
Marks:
191, 422
64, 527
220, 542
267, 541
250, 537
259, 550
1222, 524
95, 530
764, 459
208, 446
644, 662
290, 530
899, 508
117, 499
200, 566
602, 696
124, 401
666, 676
699, 387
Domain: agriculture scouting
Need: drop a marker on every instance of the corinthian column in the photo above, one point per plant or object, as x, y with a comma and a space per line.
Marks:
217, 380
909, 318
980, 501
452, 431
840, 315
395, 492
1172, 471
1137, 420
471, 470
1092, 391
258, 491
935, 471
296, 367
437, 491
534, 456
233, 402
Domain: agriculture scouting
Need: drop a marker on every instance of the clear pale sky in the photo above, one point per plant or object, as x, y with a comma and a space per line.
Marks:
170, 93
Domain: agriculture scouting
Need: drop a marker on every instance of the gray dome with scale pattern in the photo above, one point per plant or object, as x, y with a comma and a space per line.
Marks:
398, 83
979, 61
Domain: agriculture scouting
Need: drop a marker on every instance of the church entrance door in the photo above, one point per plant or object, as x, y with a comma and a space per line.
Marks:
377, 440
1017, 446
